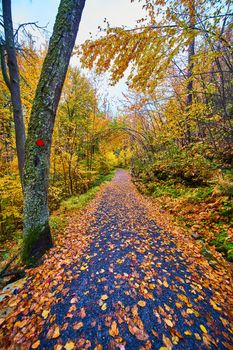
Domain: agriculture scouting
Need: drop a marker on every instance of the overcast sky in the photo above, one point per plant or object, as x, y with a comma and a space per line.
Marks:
117, 12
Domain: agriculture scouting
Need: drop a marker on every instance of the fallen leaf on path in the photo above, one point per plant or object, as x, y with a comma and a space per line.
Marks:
188, 333
104, 297
168, 322
56, 333
135, 311
45, 314
104, 306
167, 342
137, 332
69, 345
113, 331
58, 347
77, 326
82, 313
53, 332
74, 301
36, 344
142, 303
203, 328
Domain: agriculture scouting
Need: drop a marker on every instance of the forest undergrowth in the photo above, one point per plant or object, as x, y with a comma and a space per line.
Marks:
193, 193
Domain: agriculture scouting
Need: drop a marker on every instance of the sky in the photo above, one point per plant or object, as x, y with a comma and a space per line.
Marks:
117, 12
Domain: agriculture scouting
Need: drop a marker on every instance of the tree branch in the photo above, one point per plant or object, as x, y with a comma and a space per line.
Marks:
4, 69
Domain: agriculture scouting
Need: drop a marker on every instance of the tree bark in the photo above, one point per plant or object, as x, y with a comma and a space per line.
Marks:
37, 236
13, 83
191, 53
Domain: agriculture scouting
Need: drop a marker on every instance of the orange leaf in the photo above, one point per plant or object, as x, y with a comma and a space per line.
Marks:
137, 332
167, 342
56, 332
142, 303
82, 313
36, 344
113, 331
98, 347
77, 326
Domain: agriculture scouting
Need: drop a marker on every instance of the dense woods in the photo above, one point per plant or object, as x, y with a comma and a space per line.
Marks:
173, 131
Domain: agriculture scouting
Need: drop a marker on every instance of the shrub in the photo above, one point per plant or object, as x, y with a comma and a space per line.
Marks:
11, 206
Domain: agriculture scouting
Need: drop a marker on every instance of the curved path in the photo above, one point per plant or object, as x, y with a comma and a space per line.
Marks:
133, 288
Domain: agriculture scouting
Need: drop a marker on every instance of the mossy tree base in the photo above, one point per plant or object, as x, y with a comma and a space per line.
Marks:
36, 243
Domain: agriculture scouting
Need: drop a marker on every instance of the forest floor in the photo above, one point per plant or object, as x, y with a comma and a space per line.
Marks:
117, 280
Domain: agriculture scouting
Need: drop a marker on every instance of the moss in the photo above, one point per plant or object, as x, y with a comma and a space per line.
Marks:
36, 242
57, 223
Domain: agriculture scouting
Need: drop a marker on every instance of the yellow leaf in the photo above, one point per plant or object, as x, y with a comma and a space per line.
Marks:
163, 348
56, 332
84, 267
175, 339
189, 311
104, 297
178, 305
113, 331
104, 306
45, 314
36, 344
165, 284
142, 303
52, 319
215, 307
69, 345
188, 333
183, 298
98, 347
203, 328
168, 322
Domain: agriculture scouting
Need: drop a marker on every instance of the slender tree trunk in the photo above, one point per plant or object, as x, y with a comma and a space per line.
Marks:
13, 83
191, 53
37, 236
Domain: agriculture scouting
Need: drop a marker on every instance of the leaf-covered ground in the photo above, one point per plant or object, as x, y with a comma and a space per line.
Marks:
116, 280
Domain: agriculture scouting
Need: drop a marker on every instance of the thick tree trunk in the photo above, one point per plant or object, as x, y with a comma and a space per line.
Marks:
13, 83
37, 236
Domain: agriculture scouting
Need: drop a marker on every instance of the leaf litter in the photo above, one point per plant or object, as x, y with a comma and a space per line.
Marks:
116, 280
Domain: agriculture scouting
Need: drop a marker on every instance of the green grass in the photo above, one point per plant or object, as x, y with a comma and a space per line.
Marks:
57, 222
78, 202
194, 195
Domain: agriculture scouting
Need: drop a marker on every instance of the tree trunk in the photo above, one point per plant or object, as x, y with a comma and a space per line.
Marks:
37, 236
13, 83
191, 53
